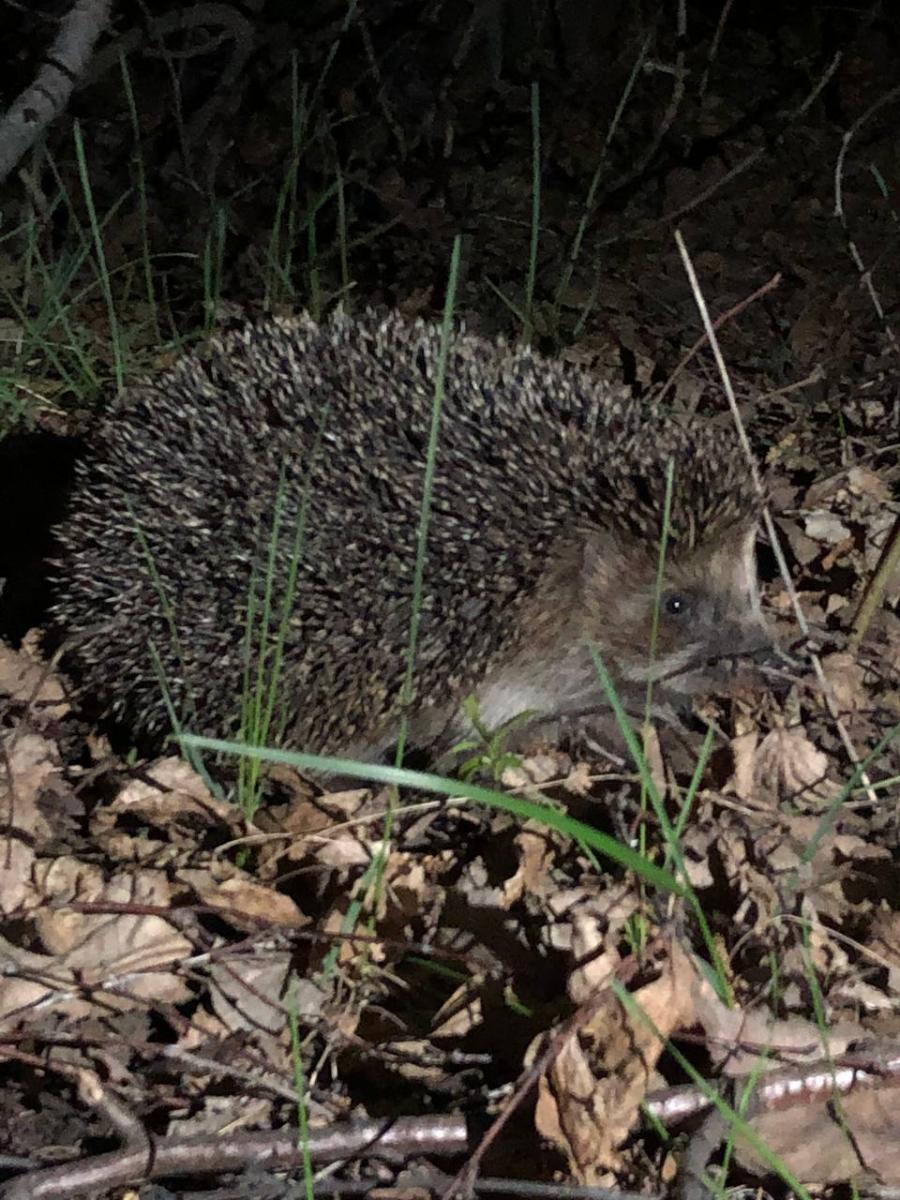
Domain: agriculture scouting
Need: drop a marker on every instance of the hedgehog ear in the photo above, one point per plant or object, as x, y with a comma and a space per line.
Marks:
747, 579
739, 563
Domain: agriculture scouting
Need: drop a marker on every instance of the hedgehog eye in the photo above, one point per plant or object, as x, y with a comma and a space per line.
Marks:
676, 604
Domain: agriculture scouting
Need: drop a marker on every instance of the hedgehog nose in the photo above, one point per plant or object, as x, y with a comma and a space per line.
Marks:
765, 661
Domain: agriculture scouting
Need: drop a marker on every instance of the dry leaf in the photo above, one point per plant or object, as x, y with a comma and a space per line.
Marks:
790, 767
248, 991
589, 1100
239, 897
168, 790
26, 680
822, 1147
460, 1013
536, 855
32, 769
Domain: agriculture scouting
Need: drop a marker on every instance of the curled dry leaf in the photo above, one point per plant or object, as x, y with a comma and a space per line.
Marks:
241, 900
536, 856
168, 792
589, 1099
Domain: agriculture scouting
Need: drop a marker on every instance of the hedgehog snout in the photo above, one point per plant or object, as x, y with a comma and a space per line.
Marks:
735, 651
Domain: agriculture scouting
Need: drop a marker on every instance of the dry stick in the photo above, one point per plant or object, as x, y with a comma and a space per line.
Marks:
46, 97
713, 51
876, 1066
555, 1191
262, 1079
816, 375
676, 100
381, 92
736, 171
721, 320
434, 1181
91, 1090
204, 1155
767, 516
873, 595
872, 1066
865, 275
235, 27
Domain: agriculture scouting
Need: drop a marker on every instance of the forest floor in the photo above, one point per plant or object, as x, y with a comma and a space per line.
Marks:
179, 972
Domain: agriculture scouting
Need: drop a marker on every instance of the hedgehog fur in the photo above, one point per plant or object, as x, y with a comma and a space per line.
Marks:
327, 425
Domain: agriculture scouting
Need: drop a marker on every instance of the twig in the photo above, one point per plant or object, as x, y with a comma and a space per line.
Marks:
865, 275
869, 1066
652, 227
873, 594
713, 50
204, 1155
721, 319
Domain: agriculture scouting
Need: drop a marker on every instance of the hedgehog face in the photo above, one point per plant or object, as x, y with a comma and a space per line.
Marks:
707, 615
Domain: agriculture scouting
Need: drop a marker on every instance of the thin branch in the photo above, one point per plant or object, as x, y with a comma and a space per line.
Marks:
44, 100
278, 1151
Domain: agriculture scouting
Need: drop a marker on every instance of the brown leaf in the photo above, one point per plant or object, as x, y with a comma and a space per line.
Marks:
589, 1099
27, 680
822, 1147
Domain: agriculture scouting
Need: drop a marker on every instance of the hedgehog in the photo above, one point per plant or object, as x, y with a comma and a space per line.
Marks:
280, 470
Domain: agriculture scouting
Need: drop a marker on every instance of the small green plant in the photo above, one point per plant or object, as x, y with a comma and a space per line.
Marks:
487, 748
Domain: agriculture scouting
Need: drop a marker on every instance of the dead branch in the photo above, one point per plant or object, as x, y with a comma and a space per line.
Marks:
47, 96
